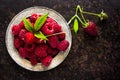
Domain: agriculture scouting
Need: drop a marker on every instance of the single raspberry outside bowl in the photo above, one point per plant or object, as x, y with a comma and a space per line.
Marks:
59, 58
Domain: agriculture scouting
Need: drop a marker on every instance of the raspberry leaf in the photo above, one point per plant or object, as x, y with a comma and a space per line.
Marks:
40, 21
28, 25
75, 26
40, 35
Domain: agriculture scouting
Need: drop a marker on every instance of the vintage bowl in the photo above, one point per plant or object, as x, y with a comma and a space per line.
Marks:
59, 58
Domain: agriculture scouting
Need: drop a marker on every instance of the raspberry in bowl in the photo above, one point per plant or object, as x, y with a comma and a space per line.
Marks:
38, 39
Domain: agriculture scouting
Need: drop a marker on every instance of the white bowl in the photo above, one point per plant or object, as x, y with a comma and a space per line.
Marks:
14, 53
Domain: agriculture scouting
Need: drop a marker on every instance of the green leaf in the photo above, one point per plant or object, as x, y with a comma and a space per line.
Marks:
75, 26
40, 21
40, 35
28, 25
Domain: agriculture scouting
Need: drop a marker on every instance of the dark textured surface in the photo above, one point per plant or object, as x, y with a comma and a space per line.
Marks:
91, 59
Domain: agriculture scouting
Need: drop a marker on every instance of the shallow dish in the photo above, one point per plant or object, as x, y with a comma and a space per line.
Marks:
59, 58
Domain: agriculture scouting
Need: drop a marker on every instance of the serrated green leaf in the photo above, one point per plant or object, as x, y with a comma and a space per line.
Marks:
40, 35
40, 21
75, 26
28, 25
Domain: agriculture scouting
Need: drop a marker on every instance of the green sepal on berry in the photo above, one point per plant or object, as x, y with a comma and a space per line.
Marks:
103, 16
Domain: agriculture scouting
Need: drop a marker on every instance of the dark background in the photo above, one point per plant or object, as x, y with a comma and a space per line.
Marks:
89, 58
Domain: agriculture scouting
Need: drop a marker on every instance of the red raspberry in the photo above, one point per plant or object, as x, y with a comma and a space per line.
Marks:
91, 29
30, 54
53, 41
17, 42
48, 29
52, 51
33, 17
23, 52
39, 41
45, 46
30, 47
63, 45
22, 34
29, 38
40, 51
15, 29
33, 59
62, 36
46, 61
21, 25
57, 27
49, 20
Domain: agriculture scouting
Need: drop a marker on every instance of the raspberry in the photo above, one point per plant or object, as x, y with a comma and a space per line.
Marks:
17, 42
33, 17
29, 38
15, 29
57, 27
48, 29
39, 41
49, 20
46, 61
62, 36
22, 34
45, 46
63, 45
23, 52
41, 51
33, 59
21, 25
53, 41
52, 51
91, 29
30, 47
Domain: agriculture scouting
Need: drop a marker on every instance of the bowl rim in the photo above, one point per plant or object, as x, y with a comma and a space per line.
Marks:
44, 8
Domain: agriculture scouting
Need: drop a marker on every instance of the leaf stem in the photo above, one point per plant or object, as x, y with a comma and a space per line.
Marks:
80, 20
55, 34
77, 8
71, 20
80, 9
90, 13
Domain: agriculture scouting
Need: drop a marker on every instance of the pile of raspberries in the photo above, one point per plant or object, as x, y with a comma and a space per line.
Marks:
37, 50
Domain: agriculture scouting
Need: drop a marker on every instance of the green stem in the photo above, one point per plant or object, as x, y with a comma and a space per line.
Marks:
90, 13
82, 14
77, 8
71, 20
80, 20
55, 34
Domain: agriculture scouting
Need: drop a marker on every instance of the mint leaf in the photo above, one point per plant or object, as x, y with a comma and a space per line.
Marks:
40, 21
28, 25
75, 26
40, 35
